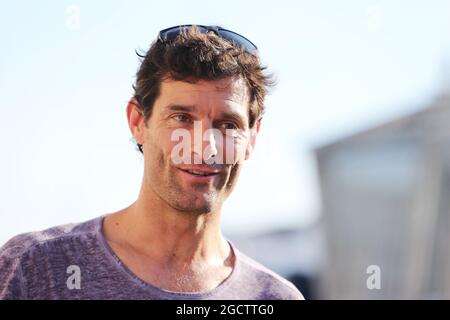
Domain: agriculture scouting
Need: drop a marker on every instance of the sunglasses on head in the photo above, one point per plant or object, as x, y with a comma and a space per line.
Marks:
231, 36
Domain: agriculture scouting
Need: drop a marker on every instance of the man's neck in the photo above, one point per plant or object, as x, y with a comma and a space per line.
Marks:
173, 238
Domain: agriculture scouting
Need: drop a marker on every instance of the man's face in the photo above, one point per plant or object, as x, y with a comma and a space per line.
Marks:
195, 141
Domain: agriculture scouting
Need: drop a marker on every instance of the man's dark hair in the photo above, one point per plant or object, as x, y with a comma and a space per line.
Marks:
194, 56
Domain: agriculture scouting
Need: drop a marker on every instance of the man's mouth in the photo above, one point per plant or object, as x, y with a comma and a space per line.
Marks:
200, 174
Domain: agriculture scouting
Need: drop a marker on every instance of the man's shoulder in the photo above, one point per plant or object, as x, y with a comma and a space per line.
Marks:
24, 243
33, 261
274, 285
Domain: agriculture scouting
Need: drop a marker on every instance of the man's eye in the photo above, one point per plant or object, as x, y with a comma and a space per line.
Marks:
181, 118
229, 126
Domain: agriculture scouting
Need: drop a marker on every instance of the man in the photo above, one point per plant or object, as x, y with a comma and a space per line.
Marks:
195, 115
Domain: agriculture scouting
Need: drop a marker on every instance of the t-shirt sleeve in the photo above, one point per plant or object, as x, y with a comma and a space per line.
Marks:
11, 278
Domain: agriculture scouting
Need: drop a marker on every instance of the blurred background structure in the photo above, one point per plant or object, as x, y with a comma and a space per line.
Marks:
295, 253
386, 202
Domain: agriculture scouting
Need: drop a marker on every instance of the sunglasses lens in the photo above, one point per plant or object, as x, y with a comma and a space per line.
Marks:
235, 38
173, 32
170, 33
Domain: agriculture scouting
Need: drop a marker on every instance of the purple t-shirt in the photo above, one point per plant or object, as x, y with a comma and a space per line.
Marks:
74, 261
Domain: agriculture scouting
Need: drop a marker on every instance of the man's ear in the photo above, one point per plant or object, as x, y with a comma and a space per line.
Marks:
253, 134
135, 119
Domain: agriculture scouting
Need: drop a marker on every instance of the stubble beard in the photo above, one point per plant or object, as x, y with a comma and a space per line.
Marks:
195, 198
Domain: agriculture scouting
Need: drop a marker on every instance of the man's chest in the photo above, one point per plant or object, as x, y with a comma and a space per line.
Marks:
190, 278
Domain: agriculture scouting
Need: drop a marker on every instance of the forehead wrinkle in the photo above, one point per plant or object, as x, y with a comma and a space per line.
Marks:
234, 84
233, 94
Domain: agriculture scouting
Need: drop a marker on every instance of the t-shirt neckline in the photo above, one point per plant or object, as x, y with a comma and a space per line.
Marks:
112, 256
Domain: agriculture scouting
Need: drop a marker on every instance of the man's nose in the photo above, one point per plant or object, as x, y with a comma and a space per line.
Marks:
205, 142
210, 150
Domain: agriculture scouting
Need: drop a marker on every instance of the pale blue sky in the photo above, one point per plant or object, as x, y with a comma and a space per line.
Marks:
66, 154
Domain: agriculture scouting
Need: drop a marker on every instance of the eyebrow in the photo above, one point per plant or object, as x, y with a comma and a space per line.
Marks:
179, 107
232, 115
